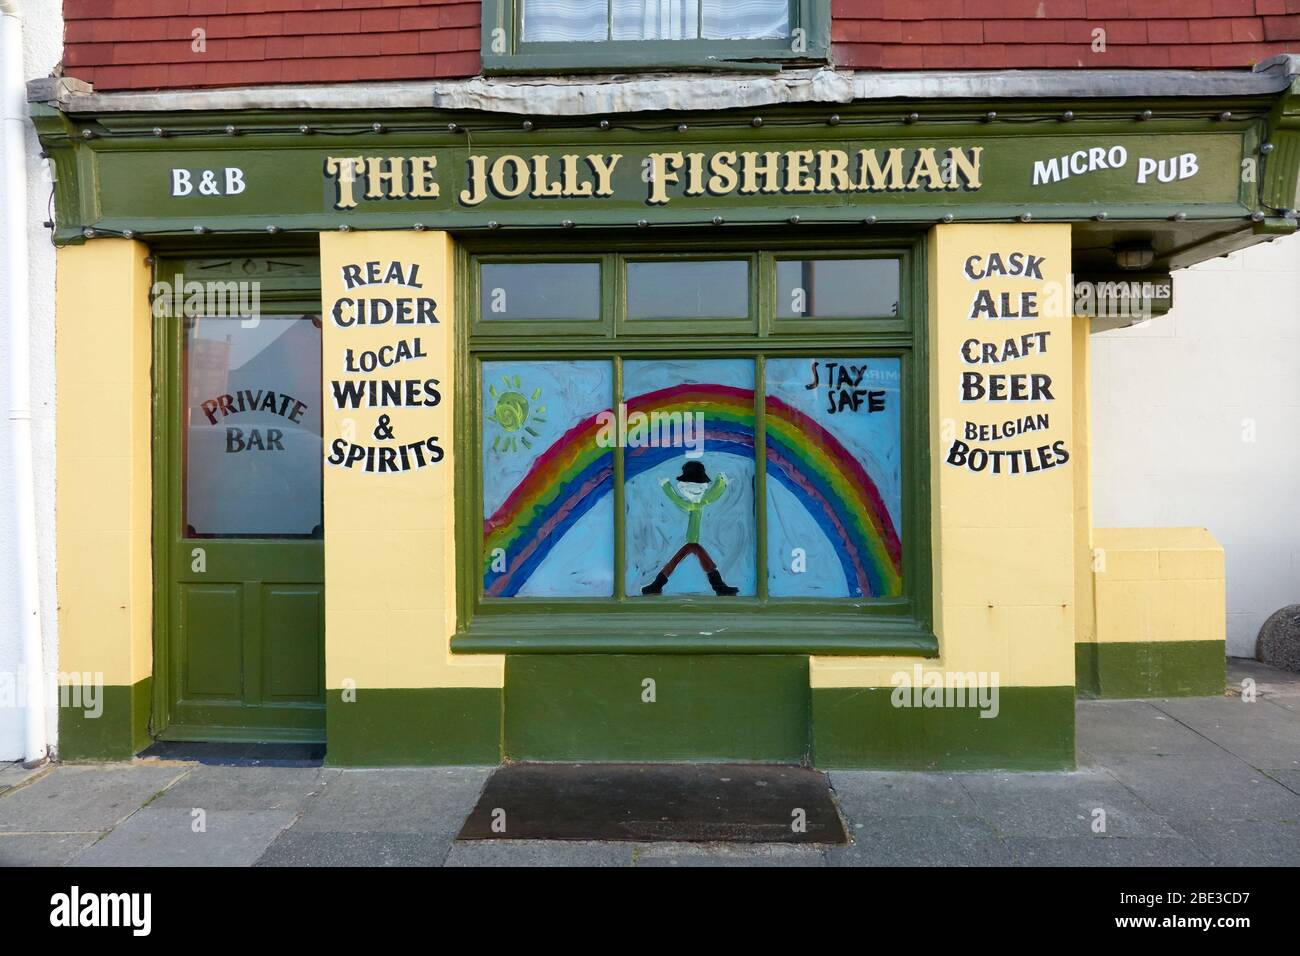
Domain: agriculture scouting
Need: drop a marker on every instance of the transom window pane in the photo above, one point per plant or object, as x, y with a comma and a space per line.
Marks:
252, 427
519, 291
687, 290
592, 21
836, 288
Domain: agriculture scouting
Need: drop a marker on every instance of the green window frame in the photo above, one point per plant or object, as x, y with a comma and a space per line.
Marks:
503, 49
624, 623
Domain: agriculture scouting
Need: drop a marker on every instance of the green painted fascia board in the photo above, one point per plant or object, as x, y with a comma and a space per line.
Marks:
1280, 175
707, 708
413, 727
859, 727
119, 732
1122, 669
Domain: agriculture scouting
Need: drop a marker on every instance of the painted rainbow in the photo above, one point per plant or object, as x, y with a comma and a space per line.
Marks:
576, 472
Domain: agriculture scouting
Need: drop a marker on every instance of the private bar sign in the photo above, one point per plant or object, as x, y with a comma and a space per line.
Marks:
664, 174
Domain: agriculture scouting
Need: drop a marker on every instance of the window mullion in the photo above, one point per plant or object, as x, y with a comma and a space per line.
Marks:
620, 510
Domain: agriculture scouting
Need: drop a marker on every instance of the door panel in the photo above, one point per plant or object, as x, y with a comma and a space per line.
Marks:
213, 663
244, 629
292, 663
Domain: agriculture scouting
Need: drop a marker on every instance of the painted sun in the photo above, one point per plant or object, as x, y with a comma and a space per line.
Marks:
515, 414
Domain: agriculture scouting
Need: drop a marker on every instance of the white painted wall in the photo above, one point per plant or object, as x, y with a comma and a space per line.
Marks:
1196, 421
43, 49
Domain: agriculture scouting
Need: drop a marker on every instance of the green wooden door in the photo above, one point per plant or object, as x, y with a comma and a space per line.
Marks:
239, 403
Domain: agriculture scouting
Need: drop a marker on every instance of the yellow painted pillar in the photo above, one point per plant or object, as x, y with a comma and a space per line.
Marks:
104, 497
1003, 460
395, 693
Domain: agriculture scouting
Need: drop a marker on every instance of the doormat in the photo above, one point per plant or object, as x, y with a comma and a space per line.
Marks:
237, 755
647, 803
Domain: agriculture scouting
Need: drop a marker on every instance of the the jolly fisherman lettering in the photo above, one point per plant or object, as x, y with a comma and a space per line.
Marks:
661, 177
990, 376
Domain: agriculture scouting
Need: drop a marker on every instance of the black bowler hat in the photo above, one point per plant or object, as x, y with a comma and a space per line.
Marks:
693, 471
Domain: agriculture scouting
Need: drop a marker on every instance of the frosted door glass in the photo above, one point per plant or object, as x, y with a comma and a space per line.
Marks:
252, 427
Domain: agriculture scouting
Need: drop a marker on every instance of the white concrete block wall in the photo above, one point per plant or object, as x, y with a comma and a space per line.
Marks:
1196, 421
43, 49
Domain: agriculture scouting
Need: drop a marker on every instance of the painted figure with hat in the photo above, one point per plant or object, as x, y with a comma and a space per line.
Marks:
692, 492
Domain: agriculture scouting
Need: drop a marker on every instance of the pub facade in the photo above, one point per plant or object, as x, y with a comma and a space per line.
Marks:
703, 415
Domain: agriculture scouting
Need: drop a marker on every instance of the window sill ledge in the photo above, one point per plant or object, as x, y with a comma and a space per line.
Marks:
833, 634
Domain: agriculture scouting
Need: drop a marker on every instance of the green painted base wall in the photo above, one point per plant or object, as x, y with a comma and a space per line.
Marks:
413, 727
119, 732
1150, 669
708, 707
861, 728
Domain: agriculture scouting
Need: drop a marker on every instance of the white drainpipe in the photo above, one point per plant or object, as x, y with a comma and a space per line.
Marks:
13, 205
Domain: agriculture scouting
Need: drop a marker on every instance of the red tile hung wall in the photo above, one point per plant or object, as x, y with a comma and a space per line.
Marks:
147, 44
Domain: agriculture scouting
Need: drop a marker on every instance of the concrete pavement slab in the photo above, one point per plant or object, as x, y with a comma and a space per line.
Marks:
1246, 843
1259, 733
921, 841
728, 855
1104, 727
1106, 851
42, 849
862, 793
245, 788
297, 847
1061, 805
84, 797
539, 853
1197, 788
418, 800
166, 837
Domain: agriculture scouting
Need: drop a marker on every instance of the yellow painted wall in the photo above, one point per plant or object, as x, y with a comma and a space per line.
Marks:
1159, 584
1085, 620
1004, 547
104, 485
390, 569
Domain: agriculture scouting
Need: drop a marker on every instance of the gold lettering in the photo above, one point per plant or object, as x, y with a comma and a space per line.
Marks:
832, 171
724, 176
377, 177
603, 167
572, 187
543, 188
663, 168
872, 176
965, 166
475, 190
497, 176
344, 169
927, 166
694, 174
769, 169
798, 176
422, 182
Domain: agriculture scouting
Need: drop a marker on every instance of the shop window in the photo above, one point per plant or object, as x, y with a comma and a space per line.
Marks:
697, 468
558, 35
